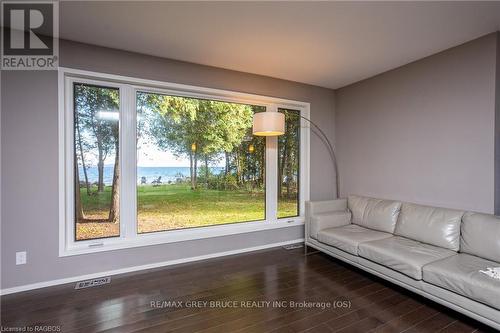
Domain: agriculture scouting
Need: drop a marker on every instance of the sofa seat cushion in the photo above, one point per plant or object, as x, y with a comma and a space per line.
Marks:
348, 238
403, 255
460, 274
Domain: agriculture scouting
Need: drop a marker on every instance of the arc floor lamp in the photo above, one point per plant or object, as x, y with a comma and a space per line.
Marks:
272, 123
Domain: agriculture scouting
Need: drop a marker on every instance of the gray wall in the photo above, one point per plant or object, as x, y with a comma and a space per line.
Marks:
423, 132
497, 131
29, 169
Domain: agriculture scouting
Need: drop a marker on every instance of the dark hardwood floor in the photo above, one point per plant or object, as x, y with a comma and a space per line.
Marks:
133, 302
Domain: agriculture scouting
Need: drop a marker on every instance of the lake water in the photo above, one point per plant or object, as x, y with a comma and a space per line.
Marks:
151, 173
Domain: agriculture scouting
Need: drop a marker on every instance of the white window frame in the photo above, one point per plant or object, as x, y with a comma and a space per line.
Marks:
129, 237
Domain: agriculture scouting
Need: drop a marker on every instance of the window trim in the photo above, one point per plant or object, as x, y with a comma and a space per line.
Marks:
129, 238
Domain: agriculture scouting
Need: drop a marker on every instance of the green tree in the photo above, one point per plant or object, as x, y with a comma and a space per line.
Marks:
94, 132
97, 135
195, 128
288, 154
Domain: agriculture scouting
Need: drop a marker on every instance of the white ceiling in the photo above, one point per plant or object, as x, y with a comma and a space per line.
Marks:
329, 44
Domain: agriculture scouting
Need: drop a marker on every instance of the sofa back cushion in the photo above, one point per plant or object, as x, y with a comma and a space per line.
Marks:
376, 214
481, 236
431, 225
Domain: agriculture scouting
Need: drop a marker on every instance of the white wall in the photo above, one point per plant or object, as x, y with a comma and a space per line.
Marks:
423, 132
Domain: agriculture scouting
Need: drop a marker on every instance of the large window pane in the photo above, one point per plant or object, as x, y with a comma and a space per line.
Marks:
288, 165
197, 163
96, 147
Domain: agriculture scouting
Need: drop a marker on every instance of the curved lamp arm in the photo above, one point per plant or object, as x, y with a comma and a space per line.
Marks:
273, 124
332, 152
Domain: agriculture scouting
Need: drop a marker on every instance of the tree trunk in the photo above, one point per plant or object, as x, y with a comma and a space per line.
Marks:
281, 167
191, 169
288, 163
238, 168
80, 216
226, 168
206, 170
100, 170
288, 177
262, 173
114, 212
195, 171
82, 157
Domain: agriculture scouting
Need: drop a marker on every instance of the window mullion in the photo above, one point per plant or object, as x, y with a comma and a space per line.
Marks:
69, 162
305, 160
128, 163
271, 174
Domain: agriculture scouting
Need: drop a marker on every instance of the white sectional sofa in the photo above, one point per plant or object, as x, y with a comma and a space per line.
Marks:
434, 252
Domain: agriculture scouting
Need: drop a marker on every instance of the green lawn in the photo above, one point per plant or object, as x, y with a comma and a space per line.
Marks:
168, 207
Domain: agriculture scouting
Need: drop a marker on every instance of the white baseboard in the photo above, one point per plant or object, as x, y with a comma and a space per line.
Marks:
141, 267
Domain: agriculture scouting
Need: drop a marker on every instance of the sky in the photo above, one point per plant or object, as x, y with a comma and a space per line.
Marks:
149, 155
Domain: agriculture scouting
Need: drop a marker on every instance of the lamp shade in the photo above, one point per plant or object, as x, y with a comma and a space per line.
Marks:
268, 123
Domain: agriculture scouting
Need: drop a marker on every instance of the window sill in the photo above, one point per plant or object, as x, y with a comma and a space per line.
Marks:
174, 236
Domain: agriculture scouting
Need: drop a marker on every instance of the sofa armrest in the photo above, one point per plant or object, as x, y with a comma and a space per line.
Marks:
315, 207
322, 215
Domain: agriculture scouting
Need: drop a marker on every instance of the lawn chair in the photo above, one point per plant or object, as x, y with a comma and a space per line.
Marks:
157, 182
